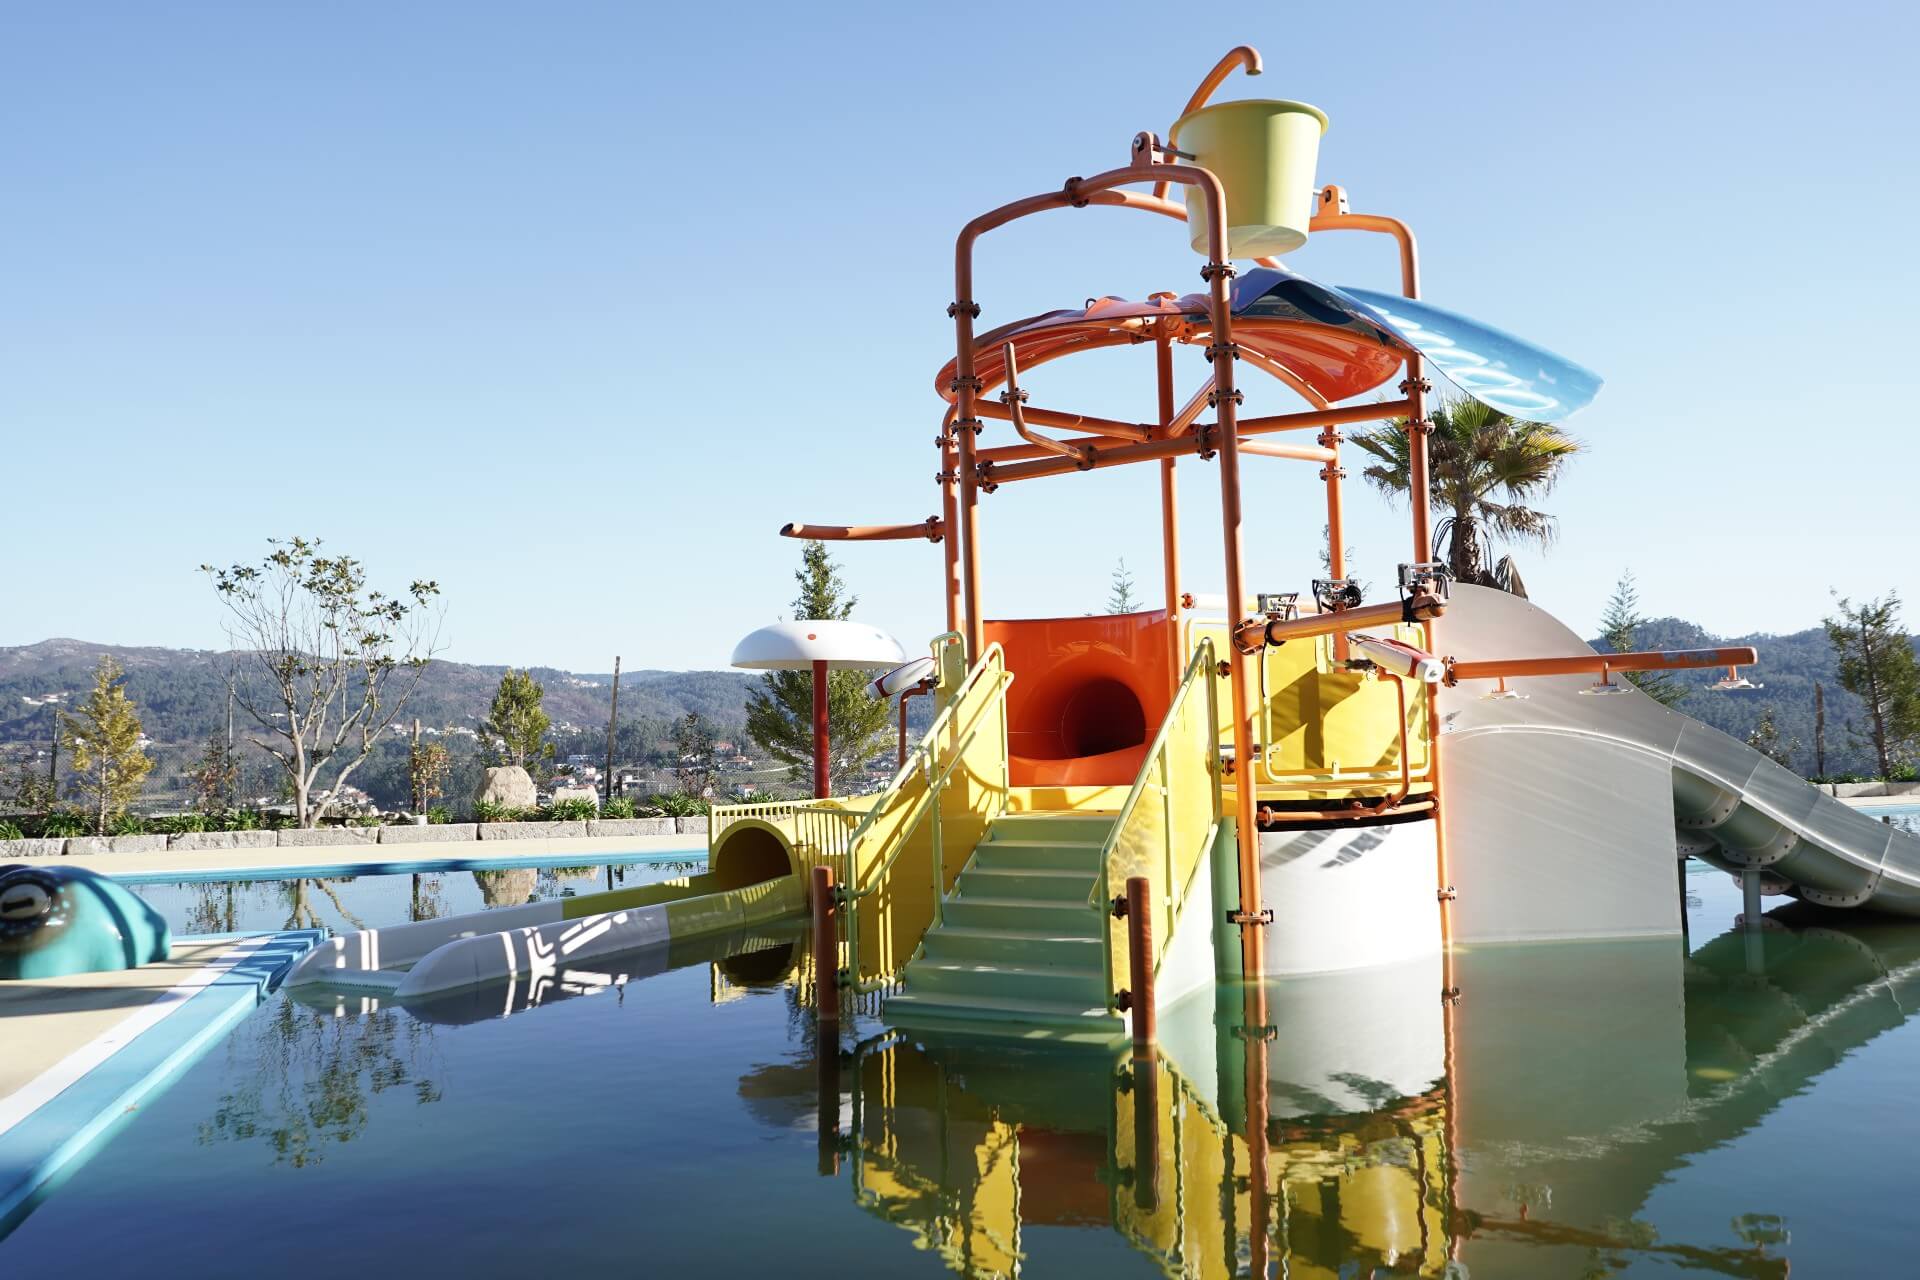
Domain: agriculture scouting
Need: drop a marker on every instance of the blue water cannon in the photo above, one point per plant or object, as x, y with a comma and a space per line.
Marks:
56, 921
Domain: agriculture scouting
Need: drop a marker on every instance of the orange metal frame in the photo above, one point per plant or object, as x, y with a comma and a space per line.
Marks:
967, 470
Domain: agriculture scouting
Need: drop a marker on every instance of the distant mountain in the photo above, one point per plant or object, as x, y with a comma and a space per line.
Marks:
181, 694
1789, 667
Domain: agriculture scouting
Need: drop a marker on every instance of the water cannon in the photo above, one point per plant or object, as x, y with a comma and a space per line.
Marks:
1400, 659
912, 677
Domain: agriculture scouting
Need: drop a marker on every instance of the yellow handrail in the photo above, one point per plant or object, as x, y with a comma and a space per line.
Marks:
1185, 758
935, 770
867, 845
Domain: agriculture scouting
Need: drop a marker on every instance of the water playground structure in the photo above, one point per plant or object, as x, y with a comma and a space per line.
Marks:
1113, 814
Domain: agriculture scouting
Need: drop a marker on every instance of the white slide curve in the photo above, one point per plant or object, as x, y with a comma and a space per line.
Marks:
1559, 769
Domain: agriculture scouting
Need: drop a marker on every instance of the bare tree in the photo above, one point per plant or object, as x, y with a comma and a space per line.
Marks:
323, 664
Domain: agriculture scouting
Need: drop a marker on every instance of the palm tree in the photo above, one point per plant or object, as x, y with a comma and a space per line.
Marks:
1483, 468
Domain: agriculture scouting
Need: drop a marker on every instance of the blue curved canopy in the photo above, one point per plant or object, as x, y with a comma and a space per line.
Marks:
1486, 363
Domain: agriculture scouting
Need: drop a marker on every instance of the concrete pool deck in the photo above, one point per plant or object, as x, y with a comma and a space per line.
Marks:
82, 1053
373, 859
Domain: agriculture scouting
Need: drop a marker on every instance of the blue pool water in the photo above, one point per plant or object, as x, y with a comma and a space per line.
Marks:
1726, 1106
226, 904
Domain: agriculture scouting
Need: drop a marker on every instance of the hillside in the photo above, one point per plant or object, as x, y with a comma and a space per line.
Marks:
182, 692
1789, 667
182, 699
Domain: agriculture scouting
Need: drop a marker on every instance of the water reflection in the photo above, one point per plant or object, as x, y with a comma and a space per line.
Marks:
1517, 1131
314, 1074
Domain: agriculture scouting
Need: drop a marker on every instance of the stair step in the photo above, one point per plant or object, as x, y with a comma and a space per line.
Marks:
1037, 948
1007, 1019
1077, 989
1042, 884
1078, 827
1020, 915
1040, 854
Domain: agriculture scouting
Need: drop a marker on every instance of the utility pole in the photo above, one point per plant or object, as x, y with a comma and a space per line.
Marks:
613, 720
1819, 730
233, 770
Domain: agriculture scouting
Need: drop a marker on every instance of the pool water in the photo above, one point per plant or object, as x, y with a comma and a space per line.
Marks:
1727, 1106
344, 902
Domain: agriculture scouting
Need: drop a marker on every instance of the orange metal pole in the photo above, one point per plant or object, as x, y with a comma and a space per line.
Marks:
1294, 452
1264, 631
1240, 56
1248, 427
1335, 216
948, 480
1169, 506
1600, 663
1179, 422
1094, 458
1222, 352
1333, 473
1324, 417
1070, 421
930, 529
822, 779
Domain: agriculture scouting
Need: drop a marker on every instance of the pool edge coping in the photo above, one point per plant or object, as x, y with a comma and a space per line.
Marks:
50, 1143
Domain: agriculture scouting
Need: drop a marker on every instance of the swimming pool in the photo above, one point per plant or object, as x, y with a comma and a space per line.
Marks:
441, 887
1610, 1108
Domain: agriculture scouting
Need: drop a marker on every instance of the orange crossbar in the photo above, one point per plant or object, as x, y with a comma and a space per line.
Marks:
933, 529
1600, 663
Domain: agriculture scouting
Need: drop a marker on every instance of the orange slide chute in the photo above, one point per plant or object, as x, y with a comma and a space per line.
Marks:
1087, 697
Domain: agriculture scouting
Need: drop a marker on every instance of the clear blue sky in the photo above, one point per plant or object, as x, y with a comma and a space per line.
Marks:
558, 304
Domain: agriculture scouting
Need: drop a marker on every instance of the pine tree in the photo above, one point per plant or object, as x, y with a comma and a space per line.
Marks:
515, 724
1120, 598
1877, 665
1765, 738
1617, 627
103, 738
780, 711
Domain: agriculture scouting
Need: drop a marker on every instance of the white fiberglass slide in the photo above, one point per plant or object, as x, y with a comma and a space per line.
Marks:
1568, 809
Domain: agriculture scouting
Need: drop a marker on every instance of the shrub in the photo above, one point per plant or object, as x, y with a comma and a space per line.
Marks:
365, 820
11, 830
487, 811
439, 816
1904, 773
240, 820
182, 824
578, 809
63, 824
127, 824
678, 804
618, 807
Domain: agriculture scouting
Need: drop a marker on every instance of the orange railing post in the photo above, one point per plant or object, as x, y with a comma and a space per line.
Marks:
1138, 909
826, 950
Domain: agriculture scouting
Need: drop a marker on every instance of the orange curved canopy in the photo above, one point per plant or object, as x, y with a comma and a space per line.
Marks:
1336, 360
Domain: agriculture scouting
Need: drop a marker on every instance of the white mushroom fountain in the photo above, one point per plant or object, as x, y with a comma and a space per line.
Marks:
820, 645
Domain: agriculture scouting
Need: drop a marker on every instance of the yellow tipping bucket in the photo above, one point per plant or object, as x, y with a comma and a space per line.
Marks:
1264, 154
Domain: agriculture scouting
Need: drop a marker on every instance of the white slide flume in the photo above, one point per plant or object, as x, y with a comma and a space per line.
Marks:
1557, 786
